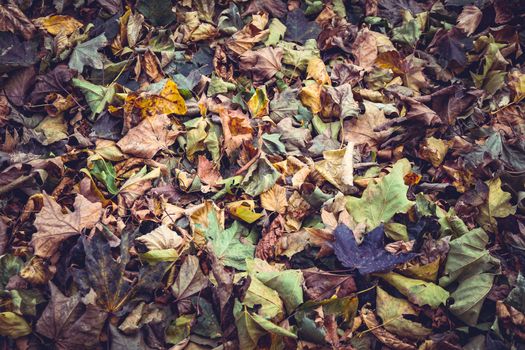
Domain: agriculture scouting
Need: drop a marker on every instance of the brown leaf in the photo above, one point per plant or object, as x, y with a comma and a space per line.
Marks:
274, 199
321, 285
469, 19
263, 63
150, 136
55, 225
208, 171
382, 334
236, 129
69, 324
248, 36
12, 19
364, 48
361, 130
270, 236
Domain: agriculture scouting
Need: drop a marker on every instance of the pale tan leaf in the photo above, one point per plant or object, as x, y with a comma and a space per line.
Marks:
274, 199
54, 225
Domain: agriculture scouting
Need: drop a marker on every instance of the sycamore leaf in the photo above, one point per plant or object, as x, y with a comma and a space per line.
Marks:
469, 19
190, 280
166, 101
53, 129
275, 199
393, 310
468, 257
268, 299
86, 54
251, 327
59, 24
150, 136
299, 29
263, 63
368, 257
161, 238
277, 30
497, 206
287, 283
65, 319
225, 243
96, 96
260, 177
383, 199
106, 276
417, 291
469, 297
54, 225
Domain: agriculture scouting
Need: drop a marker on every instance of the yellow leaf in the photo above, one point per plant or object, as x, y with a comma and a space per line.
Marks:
434, 150
317, 70
168, 101
60, 24
258, 103
274, 199
244, 210
311, 97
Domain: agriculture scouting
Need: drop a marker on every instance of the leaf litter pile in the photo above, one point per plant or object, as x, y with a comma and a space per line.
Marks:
262, 174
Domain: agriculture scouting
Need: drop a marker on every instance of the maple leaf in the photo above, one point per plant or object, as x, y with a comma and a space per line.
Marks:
370, 256
54, 225
383, 199
263, 63
150, 136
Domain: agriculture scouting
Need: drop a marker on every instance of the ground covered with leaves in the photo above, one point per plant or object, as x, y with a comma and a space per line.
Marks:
262, 174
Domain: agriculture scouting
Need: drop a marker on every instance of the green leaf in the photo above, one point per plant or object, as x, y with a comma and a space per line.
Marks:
277, 30
268, 299
468, 257
392, 311
251, 327
158, 255
158, 12
225, 244
219, 86
287, 283
383, 199
96, 96
206, 324
417, 291
259, 178
408, 33
179, 329
516, 297
12, 325
272, 144
469, 297
10, 265
497, 206
105, 173
86, 54
298, 56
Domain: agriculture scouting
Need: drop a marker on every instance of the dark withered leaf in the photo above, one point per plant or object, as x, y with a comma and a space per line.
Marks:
299, 28
368, 257
107, 277
15, 53
69, 323
56, 80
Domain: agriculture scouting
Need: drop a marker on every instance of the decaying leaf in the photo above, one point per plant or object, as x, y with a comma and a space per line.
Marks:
54, 224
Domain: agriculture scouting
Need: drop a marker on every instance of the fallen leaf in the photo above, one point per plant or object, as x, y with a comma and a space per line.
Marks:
369, 256
150, 136
274, 199
54, 225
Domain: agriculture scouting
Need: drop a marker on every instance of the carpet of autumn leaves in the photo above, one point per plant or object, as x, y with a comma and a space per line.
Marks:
262, 174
